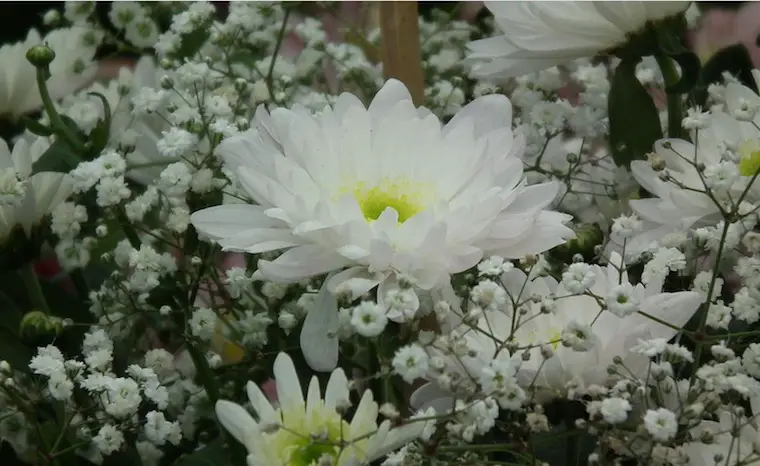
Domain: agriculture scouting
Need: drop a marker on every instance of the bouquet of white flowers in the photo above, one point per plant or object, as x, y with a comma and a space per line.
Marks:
293, 234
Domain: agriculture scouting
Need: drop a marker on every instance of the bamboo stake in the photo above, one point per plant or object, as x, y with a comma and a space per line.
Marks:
401, 46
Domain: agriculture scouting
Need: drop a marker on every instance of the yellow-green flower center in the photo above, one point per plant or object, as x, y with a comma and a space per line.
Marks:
304, 439
402, 195
749, 164
533, 338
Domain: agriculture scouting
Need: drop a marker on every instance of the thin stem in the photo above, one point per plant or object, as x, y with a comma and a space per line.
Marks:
675, 109
33, 288
129, 231
158, 163
55, 119
277, 45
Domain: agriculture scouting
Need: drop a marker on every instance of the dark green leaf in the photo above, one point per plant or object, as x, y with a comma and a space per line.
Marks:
670, 44
634, 119
99, 135
64, 304
125, 457
192, 42
35, 127
735, 60
58, 158
13, 350
213, 454
72, 125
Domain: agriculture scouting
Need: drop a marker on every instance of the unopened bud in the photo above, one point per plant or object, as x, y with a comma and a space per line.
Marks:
167, 82
40, 55
656, 161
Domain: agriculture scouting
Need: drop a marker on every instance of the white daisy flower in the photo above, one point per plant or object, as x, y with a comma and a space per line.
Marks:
38, 195
536, 330
681, 203
382, 190
538, 35
71, 69
301, 432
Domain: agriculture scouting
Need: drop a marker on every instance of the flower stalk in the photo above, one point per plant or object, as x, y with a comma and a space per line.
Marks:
674, 101
33, 288
56, 122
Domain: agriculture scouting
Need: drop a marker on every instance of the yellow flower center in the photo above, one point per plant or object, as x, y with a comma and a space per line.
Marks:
534, 339
749, 164
304, 439
555, 339
407, 198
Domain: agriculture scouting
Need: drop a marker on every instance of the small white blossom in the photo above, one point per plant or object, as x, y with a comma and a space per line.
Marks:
411, 363
368, 319
661, 424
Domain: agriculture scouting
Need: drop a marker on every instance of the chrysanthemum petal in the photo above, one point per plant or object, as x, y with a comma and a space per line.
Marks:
319, 340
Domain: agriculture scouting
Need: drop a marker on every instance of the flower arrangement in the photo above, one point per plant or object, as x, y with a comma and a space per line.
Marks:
346, 234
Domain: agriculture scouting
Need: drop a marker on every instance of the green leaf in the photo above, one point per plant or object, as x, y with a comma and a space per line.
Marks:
58, 158
213, 454
670, 43
192, 43
12, 348
634, 119
100, 134
735, 60
35, 127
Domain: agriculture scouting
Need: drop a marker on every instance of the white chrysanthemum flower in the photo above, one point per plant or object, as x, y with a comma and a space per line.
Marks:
681, 203
42, 192
71, 69
383, 190
127, 129
734, 439
300, 432
538, 34
613, 335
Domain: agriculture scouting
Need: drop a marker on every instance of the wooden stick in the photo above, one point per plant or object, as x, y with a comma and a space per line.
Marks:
401, 46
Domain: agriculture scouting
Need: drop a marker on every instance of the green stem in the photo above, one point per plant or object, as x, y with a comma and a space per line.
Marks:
33, 288
277, 45
129, 231
209, 382
80, 283
159, 163
675, 105
55, 119
205, 374
572, 445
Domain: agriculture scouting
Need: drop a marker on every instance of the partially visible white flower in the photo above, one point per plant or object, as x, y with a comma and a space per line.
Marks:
109, 439
43, 192
615, 410
578, 278
538, 35
71, 69
314, 427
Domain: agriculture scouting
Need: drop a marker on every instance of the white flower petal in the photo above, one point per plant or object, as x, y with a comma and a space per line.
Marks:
319, 340
289, 392
225, 221
237, 421
260, 403
336, 393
